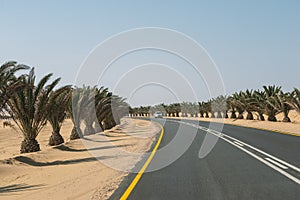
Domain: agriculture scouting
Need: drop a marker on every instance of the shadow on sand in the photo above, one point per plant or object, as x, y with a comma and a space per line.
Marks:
115, 140
18, 187
66, 148
29, 161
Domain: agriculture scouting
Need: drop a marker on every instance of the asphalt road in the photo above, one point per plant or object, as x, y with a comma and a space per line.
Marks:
245, 163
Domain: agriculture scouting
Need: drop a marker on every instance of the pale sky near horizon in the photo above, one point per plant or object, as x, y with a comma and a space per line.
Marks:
253, 43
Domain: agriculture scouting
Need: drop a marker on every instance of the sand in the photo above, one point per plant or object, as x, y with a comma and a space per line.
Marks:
69, 171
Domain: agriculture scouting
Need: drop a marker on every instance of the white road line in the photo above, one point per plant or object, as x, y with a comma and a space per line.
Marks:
266, 154
266, 163
276, 163
238, 143
273, 166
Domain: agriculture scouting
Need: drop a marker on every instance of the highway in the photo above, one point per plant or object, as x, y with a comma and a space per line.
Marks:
245, 163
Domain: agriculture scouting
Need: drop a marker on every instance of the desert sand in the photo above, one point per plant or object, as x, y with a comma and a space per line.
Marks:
70, 171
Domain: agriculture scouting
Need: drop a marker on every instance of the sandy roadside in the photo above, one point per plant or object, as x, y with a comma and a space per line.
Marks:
285, 127
69, 171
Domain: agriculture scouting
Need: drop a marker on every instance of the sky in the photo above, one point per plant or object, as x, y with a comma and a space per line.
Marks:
253, 43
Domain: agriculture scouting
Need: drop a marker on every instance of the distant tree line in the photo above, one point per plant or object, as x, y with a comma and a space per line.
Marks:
269, 101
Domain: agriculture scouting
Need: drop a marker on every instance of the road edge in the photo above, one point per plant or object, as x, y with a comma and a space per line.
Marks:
131, 180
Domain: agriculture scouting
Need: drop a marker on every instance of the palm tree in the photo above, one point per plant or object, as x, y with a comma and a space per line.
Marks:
185, 109
259, 102
207, 108
271, 93
247, 100
9, 83
79, 102
120, 108
175, 109
294, 100
194, 109
58, 103
239, 106
103, 106
201, 108
280, 103
88, 112
219, 105
29, 107
168, 110
231, 107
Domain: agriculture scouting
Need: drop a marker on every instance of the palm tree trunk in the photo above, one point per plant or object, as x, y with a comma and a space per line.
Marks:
56, 138
89, 130
202, 114
249, 116
29, 145
272, 118
219, 115
240, 116
225, 115
261, 117
206, 115
74, 134
286, 117
233, 115
98, 127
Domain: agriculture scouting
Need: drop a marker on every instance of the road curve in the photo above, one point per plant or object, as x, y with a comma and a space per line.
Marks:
245, 163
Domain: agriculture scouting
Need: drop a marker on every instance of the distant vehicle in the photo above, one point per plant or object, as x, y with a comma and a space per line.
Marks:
158, 114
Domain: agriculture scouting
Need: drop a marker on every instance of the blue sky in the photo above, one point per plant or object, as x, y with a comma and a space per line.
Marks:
253, 43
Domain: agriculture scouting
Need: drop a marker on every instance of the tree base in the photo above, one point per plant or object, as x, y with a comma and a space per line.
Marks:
28, 146
55, 139
272, 119
233, 116
98, 129
89, 131
261, 117
250, 116
286, 119
240, 116
74, 134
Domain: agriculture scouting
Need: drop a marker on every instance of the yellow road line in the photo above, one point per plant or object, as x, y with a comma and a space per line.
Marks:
140, 173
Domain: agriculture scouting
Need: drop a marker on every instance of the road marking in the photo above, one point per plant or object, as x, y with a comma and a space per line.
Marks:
228, 139
265, 162
266, 154
276, 163
238, 143
140, 173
